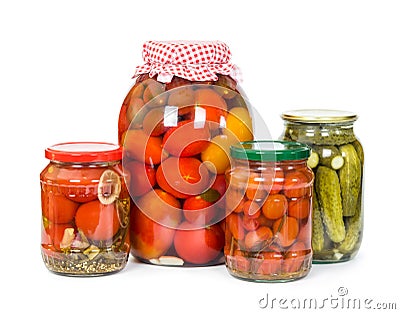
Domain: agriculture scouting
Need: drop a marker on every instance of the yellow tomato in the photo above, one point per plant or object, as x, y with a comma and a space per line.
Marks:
239, 123
216, 155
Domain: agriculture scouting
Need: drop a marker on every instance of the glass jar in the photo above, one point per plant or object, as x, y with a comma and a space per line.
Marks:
268, 227
337, 160
85, 209
176, 126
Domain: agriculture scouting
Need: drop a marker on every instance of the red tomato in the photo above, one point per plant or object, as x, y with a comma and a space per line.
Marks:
161, 207
220, 184
198, 211
97, 221
255, 189
141, 147
148, 238
273, 180
297, 184
235, 224
251, 209
214, 105
275, 206
249, 223
299, 208
255, 239
57, 208
287, 229
198, 246
183, 177
153, 122
79, 184
142, 177
187, 139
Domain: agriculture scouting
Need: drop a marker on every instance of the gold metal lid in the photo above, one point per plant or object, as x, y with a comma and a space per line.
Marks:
319, 116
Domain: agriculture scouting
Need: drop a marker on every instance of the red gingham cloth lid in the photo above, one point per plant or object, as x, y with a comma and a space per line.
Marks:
191, 60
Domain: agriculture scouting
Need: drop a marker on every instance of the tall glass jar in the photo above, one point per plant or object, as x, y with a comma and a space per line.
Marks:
268, 227
337, 160
176, 126
85, 209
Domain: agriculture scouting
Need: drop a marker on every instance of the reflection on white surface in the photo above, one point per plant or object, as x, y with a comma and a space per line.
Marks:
171, 116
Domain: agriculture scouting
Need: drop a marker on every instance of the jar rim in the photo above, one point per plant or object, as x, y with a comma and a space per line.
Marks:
319, 116
270, 150
84, 152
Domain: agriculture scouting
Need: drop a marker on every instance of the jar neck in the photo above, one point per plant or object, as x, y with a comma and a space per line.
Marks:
85, 164
314, 133
262, 165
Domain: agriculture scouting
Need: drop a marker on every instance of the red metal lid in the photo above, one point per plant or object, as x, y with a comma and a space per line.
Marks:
84, 152
191, 60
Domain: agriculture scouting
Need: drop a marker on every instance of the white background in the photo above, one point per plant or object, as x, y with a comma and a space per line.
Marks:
65, 68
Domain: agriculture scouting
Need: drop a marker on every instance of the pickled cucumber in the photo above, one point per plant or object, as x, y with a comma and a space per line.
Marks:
329, 156
313, 160
359, 149
320, 135
317, 225
330, 201
350, 179
353, 230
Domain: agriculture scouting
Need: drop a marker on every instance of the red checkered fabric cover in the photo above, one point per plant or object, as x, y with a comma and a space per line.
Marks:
194, 61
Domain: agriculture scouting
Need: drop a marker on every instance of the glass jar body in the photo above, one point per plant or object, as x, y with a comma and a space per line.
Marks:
176, 138
268, 229
337, 160
85, 218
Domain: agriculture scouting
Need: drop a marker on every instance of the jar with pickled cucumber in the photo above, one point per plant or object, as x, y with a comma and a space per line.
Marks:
176, 125
337, 159
85, 209
268, 201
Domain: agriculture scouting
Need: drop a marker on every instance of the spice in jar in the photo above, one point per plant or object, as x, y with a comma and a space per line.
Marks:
85, 209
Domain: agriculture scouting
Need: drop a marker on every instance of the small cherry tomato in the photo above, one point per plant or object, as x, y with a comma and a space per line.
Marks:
296, 184
273, 180
287, 229
235, 224
255, 188
249, 223
299, 208
275, 206
251, 209
256, 239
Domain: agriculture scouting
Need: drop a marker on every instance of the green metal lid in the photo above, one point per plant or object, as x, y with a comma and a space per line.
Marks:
270, 150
